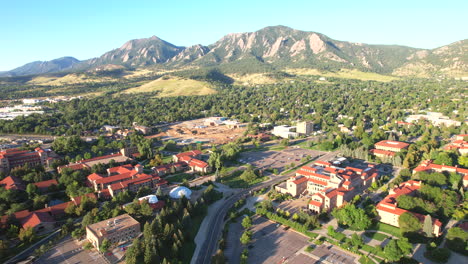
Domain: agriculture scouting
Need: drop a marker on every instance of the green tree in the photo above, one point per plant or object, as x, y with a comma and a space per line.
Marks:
352, 216
31, 189
463, 161
246, 222
246, 237
105, 245
134, 252
248, 175
409, 223
457, 240
27, 235
396, 249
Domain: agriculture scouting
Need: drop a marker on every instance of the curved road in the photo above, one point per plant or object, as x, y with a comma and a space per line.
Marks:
211, 242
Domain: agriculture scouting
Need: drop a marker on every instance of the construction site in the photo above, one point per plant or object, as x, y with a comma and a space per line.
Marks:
214, 130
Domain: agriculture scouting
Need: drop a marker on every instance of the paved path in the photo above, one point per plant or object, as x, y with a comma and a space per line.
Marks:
212, 210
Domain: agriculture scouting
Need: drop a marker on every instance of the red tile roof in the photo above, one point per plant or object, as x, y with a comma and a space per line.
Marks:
323, 163
189, 153
46, 184
115, 178
300, 180
198, 163
36, 218
12, 183
120, 169
124, 184
94, 176
315, 203
392, 144
322, 183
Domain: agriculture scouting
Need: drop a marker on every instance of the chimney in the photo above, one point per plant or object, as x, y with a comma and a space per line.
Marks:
139, 168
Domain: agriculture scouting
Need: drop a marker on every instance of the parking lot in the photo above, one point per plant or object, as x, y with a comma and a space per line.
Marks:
70, 251
333, 254
272, 159
272, 243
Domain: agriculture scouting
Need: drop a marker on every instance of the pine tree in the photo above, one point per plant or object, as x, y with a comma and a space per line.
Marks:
159, 192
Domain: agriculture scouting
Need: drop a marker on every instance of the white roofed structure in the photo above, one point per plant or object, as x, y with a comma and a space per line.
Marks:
180, 191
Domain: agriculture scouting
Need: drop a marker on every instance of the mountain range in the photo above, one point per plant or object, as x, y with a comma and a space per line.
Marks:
274, 47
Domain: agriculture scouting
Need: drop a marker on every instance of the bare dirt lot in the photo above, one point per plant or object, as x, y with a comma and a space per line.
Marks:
197, 131
272, 159
272, 244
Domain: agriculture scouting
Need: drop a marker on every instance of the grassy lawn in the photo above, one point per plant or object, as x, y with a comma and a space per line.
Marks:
395, 231
373, 250
366, 260
234, 180
180, 177
376, 236
276, 148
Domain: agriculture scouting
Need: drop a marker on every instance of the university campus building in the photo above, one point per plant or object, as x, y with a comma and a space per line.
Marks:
116, 230
388, 210
328, 186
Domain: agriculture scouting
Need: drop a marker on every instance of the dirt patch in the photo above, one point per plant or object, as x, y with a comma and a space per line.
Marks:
195, 131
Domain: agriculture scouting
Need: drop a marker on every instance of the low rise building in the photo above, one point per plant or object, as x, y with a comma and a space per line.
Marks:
459, 144
388, 210
437, 119
12, 183
43, 219
429, 166
125, 155
44, 186
120, 229
192, 159
15, 157
388, 148
285, 131
123, 178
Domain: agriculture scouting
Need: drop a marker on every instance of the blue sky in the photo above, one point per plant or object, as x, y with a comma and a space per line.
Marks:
33, 30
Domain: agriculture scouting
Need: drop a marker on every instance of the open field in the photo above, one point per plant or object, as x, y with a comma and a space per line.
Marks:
194, 131
346, 74
72, 78
251, 79
173, 86
272, 243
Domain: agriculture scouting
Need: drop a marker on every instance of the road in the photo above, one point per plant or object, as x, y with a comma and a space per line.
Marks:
217, 223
